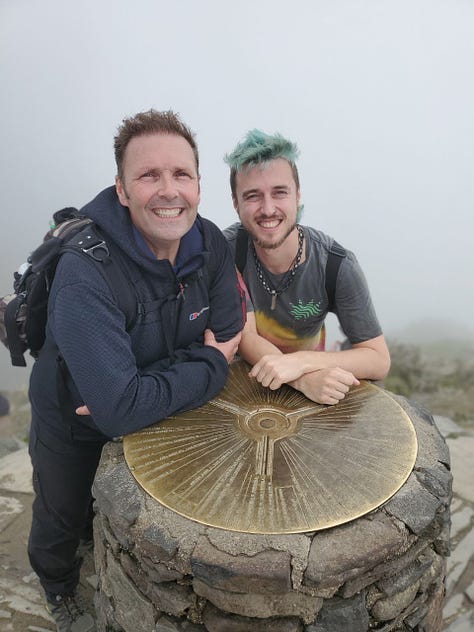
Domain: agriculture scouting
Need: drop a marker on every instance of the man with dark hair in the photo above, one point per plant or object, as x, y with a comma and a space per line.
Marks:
285, 269
119, 377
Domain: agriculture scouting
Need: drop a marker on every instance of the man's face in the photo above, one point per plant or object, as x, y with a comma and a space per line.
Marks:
160, 187
267, 202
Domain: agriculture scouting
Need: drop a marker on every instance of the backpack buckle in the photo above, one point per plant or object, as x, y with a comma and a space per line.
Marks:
100, 246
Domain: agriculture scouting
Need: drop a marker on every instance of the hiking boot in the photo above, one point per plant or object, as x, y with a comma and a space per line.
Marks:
68, 614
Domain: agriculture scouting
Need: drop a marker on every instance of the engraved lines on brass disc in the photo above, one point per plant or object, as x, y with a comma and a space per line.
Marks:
262, 461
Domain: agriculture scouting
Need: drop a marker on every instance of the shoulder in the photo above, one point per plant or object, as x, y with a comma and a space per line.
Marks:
323, 244
230, 233
318, 239
211, 232
76, 269
214, 241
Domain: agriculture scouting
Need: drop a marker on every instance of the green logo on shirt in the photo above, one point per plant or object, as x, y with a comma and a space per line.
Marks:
305, 310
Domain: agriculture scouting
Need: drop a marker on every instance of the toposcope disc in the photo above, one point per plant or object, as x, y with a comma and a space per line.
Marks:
262, 461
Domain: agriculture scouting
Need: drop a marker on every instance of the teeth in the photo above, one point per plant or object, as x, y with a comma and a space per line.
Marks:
270, 223
167, 212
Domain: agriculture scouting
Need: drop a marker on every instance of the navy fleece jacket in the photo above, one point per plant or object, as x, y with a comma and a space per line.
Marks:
127, 378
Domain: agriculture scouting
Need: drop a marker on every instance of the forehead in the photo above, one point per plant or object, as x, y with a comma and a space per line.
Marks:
159, 150
270, 174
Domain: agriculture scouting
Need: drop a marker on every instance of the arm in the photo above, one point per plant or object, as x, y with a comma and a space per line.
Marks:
324, 377
122, 392
324, 386
366, 360
226, 314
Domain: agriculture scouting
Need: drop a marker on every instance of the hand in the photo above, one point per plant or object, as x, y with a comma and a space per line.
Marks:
228, 349
273, 370
326, 386
83, 410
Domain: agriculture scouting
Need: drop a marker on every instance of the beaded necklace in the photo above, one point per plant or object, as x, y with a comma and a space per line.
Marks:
289, 275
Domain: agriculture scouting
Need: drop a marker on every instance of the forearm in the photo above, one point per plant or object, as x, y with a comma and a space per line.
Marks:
369, 360
253, 346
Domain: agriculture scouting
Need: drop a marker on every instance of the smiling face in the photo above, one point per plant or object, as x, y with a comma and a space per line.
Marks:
160, 187
267, 200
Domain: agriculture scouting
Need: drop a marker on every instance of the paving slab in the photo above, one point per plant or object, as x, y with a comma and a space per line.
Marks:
460, 520
16, 472
462, 466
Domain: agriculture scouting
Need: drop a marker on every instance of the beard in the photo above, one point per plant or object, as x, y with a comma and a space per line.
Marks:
271, 245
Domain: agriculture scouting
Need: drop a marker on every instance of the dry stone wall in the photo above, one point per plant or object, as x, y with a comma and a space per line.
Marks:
160, 572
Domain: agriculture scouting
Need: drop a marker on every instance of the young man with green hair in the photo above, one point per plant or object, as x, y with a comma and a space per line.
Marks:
285, 268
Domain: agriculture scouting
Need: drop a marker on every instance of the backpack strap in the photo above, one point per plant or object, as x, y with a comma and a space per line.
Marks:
241, 247
335, 256
94, 244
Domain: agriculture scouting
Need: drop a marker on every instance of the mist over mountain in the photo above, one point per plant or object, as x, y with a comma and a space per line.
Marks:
431, 330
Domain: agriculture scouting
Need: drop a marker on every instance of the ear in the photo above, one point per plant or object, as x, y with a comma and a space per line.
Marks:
122, 194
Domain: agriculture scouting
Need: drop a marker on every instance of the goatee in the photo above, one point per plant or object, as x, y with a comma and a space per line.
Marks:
272, 245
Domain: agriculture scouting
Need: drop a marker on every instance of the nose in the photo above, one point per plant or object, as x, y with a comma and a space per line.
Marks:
166, 186
268, 208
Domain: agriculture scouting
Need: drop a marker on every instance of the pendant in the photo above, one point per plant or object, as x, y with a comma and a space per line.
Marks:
274, 300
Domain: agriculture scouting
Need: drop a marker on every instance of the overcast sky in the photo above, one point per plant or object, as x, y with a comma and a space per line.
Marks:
379, 96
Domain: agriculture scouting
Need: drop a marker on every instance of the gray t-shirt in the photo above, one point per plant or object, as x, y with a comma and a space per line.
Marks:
297, 321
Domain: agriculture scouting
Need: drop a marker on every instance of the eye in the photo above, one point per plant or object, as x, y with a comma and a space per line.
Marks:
148, 174
251, 197
182, 174
280, 193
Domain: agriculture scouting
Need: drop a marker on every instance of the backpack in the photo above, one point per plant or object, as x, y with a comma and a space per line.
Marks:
23, 314
335, 256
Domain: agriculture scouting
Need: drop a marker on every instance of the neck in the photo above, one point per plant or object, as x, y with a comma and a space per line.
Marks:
169, 253
278, 260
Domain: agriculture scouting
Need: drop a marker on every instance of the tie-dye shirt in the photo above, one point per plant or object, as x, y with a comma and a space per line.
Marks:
297, 322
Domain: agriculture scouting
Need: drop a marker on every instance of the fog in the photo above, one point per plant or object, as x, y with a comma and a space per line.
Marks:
378, 95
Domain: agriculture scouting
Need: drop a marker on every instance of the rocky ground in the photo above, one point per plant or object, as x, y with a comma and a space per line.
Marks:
21, 603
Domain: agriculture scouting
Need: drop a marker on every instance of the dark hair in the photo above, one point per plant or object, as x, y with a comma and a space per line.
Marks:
151, 122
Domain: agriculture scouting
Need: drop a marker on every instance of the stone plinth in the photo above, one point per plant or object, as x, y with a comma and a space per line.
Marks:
161, 572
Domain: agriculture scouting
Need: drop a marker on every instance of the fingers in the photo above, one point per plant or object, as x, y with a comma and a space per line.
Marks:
327, 386
82, 410
274, 370
228, 348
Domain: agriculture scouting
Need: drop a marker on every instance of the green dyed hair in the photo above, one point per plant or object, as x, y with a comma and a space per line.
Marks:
259, 148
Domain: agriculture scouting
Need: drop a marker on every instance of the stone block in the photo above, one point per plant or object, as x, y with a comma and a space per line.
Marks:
390, 607
159, 572
292, 604
105, 619
172, 599
155, 542
133, 570
117, 493
413, 505
435, 448
438, 481
165, 624
405, 578
266, 572
128, 600
217, 621
386, 569
416, 616
436, 570
340, 554
342, 615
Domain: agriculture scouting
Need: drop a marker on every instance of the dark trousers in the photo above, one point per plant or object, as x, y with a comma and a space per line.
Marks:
63, 472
